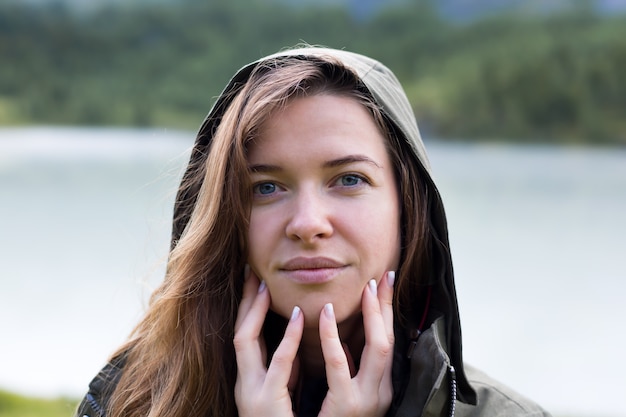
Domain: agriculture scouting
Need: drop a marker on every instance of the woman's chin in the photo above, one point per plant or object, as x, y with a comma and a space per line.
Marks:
343, 316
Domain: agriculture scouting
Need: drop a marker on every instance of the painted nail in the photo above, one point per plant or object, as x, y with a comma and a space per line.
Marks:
262, 286
391, 278
295, 313
329, 311
373, 287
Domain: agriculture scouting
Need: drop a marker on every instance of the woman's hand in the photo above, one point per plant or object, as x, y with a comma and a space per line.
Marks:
370, 392
261, 391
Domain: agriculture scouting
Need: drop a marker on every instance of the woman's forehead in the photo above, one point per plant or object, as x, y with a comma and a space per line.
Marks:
329, 130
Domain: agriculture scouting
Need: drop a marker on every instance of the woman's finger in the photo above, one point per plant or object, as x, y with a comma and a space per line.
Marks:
337, 367
279, 373
374, 376
385, 298
248, 343
377, 344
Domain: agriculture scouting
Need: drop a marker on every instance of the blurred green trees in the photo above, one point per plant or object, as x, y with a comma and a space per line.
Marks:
542, 78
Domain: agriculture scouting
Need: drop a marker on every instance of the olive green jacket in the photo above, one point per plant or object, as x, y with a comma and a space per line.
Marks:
429, 376
432, 387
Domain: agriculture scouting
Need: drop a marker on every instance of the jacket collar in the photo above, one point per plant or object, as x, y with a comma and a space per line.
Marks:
431, 389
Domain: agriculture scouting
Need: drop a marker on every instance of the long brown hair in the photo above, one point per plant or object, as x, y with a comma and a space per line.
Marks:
179, 360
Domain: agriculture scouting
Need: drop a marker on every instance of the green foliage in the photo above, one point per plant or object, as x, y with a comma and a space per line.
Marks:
13, 405
552, 78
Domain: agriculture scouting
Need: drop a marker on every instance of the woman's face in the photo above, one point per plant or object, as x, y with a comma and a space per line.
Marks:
325, 216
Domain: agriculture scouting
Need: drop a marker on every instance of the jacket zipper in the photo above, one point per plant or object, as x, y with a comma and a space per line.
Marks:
452, 390
94, 405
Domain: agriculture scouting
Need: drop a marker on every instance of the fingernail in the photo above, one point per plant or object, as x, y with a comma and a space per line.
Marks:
295, 313
246, 272
373, 287
262, 286
391, 278
330, 312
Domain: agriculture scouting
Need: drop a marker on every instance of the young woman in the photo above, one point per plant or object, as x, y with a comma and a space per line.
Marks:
309, 271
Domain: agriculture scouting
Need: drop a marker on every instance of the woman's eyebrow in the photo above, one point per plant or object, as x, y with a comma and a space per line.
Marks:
333, 163
264, 168
350, 159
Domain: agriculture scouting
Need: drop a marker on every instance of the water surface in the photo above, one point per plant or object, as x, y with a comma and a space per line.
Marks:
537, 236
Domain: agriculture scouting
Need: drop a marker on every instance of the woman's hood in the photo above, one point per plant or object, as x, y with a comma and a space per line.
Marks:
387, 91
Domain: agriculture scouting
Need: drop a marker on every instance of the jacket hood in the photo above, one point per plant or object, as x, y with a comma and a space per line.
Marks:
387, 91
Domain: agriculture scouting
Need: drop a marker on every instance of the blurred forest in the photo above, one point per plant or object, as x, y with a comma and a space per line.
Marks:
537, 77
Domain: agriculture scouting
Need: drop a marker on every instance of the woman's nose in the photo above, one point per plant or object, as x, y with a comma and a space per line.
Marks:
310, 218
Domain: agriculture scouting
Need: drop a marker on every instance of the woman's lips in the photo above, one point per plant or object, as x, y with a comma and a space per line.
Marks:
316, 270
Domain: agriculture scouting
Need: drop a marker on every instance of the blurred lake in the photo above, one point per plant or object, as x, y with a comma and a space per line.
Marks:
538, 237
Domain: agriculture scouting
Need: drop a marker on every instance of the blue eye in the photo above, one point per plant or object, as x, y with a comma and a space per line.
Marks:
350, 180
264, 188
